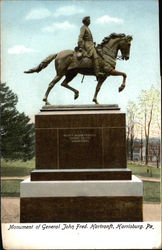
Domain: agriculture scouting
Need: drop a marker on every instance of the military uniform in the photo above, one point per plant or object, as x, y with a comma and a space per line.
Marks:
85, 42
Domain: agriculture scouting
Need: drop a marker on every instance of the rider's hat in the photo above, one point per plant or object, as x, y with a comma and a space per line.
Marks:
85, 18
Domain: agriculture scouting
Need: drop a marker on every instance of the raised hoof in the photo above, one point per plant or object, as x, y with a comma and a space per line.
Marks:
76, 95
121, 88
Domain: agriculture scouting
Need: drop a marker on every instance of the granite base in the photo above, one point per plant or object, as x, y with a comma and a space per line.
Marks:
81, 201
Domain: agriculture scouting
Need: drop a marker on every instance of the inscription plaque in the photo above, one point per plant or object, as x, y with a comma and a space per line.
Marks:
80, 148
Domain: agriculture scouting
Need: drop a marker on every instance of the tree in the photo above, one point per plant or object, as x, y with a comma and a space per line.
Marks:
131, 120
155, 150
17, 134
154, 146
139, 134
149, 102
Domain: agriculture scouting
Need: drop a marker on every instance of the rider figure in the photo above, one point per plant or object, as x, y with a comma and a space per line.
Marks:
86, 43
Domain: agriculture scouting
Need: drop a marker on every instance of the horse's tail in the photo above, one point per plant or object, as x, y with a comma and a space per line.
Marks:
42, 65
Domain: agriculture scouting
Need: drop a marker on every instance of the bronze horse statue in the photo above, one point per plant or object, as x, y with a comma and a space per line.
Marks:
67, 64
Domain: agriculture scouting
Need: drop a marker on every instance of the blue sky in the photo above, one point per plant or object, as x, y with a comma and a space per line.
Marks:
32, 30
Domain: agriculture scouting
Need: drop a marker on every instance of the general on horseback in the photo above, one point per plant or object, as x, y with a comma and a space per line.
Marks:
85, 43
87, 59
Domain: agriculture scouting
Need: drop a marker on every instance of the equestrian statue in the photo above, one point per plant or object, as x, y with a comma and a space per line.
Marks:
88, 59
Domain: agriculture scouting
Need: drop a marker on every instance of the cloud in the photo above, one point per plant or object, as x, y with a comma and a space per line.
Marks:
58, 26
20, 49
108, 19
68, 11
36, 14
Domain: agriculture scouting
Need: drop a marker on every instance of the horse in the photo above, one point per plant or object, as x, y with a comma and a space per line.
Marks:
67, 64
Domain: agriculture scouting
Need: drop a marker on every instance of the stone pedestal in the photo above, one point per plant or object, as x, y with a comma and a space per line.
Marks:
81, 168
83, 138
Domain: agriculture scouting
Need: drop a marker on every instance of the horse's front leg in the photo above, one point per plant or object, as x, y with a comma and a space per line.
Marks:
99, 84
118, 73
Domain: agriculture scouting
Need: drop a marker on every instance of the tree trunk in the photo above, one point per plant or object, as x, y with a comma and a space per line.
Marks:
157, 163
141, 150
158, 155
146, 155
146, 151
131, 148
128, 147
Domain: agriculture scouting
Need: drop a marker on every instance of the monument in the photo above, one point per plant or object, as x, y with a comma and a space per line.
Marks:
81, 170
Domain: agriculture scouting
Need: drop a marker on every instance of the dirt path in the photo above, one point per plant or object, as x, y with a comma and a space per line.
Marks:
10, 211
143, 178
14, 177
152, 212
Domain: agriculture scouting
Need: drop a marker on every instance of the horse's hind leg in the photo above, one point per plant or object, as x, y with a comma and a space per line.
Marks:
50, 86
69, 77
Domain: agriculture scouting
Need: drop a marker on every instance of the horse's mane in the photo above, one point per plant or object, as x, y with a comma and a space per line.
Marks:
111, 36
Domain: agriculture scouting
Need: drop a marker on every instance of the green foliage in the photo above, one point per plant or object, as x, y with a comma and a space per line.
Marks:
149, 104
143, 121
17, 133
151, 191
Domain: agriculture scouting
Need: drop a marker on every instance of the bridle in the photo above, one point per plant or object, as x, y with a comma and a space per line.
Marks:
111, 52
119, 58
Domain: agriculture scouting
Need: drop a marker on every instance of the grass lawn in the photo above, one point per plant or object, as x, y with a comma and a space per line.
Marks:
17, 168
151, 191
142, 170
10, 188
20, 168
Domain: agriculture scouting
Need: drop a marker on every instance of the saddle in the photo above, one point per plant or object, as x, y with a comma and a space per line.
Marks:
80, 52
81, 60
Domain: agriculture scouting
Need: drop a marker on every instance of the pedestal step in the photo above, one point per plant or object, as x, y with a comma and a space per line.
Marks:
81, 201
80, 174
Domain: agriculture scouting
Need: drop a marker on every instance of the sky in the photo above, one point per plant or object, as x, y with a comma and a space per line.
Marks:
32, 30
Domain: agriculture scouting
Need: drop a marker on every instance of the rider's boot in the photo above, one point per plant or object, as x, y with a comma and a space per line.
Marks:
97, 71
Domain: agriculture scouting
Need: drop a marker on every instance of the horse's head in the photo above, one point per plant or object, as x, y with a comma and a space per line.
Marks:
114, 42
124, 46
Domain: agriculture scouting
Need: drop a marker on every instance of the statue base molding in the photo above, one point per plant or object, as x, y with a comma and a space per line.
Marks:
80, 174
81, 201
